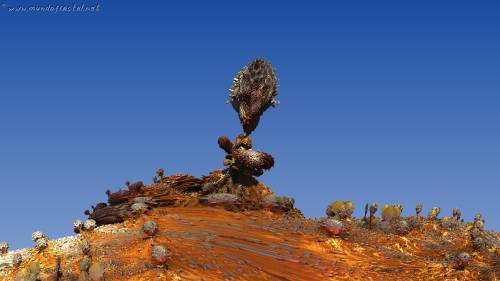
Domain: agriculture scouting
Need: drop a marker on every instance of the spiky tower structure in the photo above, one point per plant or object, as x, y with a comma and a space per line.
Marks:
253, 91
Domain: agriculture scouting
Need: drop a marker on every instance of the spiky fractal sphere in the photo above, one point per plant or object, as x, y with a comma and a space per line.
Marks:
253, 91
254, 161
242, 159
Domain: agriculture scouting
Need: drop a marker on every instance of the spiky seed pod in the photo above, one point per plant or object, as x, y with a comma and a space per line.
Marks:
253, 160
253, 91
419, 209
41, 243
457, 214
159, 255
225, 143
37, 235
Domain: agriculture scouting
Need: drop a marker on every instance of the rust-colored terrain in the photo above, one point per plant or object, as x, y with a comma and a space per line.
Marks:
210, 239
229, 226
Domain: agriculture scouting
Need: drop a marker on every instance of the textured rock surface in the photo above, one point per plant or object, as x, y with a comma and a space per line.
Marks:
244, 232
216, 244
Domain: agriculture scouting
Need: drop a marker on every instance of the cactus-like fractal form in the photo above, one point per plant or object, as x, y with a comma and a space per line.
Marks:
253, 91
242, 159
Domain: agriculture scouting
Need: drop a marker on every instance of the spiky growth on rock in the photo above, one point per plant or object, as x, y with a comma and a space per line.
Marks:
373, 210
284, 203
160, 173
434, 213
17, 259
479, 222
244, 162
457, 213
392, 212
90, 225
85, 246
40, 239
77, 226
419, 209
253, 161
4, 248
41, 244
159, 255
462, 261
253, 91
149, 228
340, 209
37, 235
333, 227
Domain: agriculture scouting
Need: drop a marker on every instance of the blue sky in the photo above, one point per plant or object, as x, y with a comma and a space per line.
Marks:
393, 102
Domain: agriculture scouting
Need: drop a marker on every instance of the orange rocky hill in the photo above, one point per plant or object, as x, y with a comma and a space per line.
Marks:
184, 228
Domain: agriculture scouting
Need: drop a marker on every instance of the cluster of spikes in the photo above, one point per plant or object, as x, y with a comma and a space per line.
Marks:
254, 90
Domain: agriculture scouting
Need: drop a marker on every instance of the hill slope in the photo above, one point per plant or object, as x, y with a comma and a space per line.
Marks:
226, 238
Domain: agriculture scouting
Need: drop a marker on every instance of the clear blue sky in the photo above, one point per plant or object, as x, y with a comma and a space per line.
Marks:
394, 102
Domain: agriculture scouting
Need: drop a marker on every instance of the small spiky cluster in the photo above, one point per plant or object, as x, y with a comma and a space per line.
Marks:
434, 213
391, 212
253, 91
340, 209
4, 248
242, 159
255, 161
